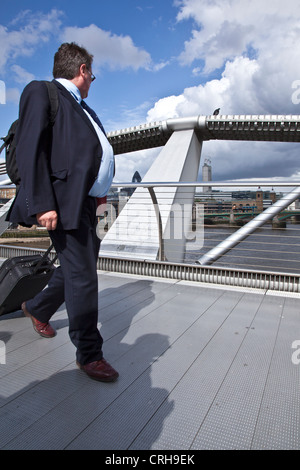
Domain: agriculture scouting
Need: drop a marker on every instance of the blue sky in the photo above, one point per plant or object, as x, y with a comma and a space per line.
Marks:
158, 59
130, 86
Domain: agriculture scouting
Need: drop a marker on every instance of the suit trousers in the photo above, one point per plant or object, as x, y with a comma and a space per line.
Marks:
75, 282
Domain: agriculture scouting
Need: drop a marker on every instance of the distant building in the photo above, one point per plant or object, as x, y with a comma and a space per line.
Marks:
129, 191
206, 175
273, 196
136, 177
7, 193
259, 200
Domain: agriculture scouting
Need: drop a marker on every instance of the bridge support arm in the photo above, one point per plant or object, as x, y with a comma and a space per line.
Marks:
153, 225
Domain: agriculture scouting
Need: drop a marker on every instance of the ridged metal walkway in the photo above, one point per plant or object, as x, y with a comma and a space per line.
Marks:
200, 368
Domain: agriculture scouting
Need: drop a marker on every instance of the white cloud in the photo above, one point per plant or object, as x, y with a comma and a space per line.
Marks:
160, 66
128, 163
165, 108
26, 34
256, 44
127, 116
228, 28
230, 31
196, 71
236, 92
232, 93
21, 75
116, 52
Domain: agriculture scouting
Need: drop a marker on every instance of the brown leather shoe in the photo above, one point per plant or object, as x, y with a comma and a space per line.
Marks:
43, 329
100, 370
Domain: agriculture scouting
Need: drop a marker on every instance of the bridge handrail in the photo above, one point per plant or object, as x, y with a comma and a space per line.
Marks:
153, 186
263, 217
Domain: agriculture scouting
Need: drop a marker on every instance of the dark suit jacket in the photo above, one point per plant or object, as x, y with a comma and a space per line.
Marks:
58, 165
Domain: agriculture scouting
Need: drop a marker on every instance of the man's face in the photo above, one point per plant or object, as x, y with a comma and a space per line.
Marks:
87, 78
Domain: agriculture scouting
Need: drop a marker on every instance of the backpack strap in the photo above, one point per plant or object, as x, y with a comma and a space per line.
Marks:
53, 97
9, 137
3, 145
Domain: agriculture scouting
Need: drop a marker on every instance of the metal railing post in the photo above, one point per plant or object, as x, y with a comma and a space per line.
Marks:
161, 254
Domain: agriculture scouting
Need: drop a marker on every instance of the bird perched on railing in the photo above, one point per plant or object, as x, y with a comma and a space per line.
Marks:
216, 112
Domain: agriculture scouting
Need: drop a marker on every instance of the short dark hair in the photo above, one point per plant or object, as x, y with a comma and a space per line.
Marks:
69, 58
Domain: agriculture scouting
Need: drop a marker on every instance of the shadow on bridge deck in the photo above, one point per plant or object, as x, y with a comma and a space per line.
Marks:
200, 368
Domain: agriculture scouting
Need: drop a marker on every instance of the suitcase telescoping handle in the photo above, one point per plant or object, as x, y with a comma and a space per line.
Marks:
45, 255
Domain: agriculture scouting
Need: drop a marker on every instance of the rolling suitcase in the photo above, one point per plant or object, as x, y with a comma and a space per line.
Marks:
22, 277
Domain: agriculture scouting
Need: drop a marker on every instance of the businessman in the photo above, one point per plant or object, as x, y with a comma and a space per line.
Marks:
64, 168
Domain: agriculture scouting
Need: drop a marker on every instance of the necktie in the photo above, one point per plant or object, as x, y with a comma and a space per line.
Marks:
93, 114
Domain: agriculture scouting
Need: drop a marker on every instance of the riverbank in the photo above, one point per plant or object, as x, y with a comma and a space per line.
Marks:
39, 242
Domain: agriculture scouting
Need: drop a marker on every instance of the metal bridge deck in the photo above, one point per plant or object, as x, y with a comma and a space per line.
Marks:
200, 367
275, 128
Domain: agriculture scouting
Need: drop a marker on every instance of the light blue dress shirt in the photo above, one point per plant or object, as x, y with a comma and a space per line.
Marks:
105, 176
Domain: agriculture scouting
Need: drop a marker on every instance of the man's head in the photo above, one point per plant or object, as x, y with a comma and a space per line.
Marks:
74, 63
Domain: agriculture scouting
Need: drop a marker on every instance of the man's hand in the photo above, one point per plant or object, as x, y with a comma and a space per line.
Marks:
47, 219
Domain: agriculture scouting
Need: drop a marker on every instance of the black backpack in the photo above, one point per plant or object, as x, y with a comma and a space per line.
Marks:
10, 139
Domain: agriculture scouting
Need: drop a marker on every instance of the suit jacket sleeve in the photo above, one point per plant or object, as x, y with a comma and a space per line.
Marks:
34, 148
